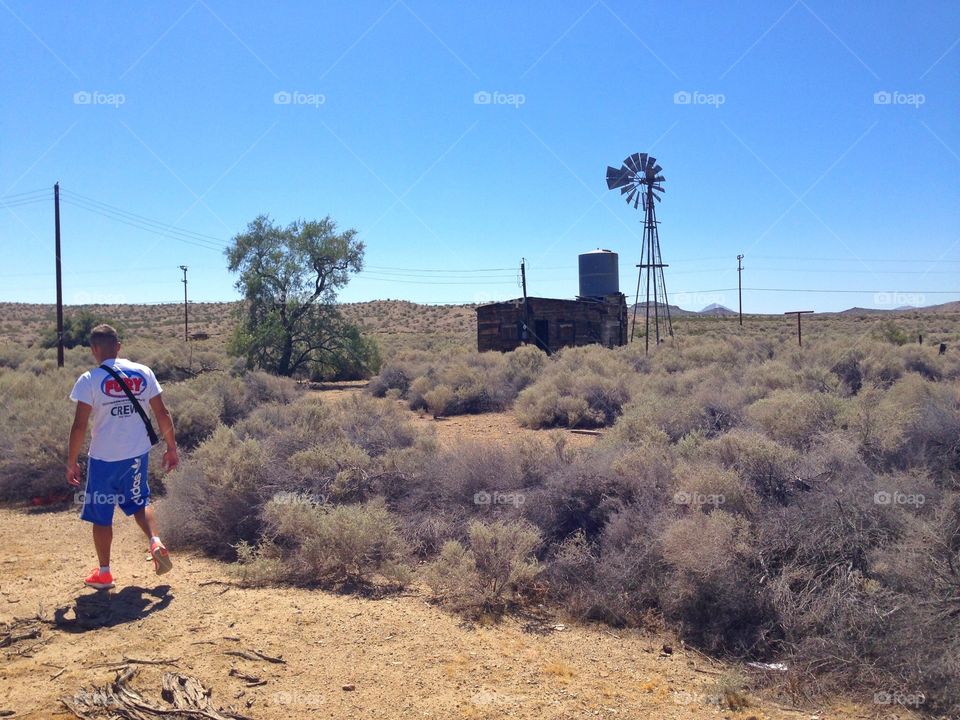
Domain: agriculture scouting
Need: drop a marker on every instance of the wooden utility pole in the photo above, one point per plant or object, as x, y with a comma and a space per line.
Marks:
186, 331
56, 252
740, 286
798, 313
526, 305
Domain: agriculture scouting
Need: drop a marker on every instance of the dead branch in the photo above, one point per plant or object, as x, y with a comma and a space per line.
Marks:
186, 697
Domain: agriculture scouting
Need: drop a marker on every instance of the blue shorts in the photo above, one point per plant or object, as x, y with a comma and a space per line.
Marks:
122, 483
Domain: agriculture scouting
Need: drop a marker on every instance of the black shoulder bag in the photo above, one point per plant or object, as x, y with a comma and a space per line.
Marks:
151, 433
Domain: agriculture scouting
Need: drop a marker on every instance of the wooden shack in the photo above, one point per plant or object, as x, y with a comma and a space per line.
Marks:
551, 324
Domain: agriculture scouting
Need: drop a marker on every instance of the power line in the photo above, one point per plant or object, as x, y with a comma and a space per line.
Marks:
162, 233
433, 282
142, 218
43, 191
863, 260
21, 203
807, 290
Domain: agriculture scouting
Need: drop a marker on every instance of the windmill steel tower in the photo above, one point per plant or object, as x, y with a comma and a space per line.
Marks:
640, 180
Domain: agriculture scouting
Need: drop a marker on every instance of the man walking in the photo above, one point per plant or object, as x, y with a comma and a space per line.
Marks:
119, 448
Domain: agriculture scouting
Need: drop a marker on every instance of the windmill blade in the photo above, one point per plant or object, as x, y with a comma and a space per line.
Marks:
618, 177
628, 187
636, 203
630, 196
632, 162
651, 161
659, 179
659, 188
656, 197
644, 203
643, 160
654, 170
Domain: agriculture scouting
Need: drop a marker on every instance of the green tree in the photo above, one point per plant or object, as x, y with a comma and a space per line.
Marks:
289, 277
76, 330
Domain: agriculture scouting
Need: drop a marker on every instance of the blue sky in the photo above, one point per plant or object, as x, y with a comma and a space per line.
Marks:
175, 112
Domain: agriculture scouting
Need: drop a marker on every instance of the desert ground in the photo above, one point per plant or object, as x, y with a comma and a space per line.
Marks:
342, 656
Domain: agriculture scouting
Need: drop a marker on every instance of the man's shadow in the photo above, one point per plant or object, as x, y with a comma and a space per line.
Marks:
102, 608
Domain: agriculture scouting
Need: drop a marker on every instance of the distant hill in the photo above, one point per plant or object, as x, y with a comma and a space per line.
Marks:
941, 308
717, 309
675, 311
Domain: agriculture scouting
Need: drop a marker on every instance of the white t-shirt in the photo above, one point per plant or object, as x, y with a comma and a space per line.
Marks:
118, 433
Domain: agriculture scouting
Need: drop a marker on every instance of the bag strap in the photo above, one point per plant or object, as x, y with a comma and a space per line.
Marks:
151, 433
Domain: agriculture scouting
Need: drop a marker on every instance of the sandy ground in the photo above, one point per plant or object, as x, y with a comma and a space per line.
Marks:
345, 656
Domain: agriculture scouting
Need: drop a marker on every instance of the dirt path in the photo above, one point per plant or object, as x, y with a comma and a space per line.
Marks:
501, 427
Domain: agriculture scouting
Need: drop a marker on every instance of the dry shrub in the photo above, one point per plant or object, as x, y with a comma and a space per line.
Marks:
200, 404
355, 546
616, 579
390, 378
764, 465
494, 572
795, 418
683, 404
581, 495
460, 383
214, 498
915, 424
35, 420
849, 373
374, 425
709, 590
707, 485
581, 387
439, 400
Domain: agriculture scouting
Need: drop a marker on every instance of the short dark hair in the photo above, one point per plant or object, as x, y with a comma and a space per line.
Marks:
104, 337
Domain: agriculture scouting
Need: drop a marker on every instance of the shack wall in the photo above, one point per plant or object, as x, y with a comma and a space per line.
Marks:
551, 323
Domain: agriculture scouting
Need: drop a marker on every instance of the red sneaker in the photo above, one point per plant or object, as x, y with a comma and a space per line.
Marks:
99, 580
161, 558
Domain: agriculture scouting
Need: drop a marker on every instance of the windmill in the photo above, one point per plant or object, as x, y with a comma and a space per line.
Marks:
639, 179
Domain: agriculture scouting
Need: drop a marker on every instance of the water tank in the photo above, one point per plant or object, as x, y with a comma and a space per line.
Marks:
599, 273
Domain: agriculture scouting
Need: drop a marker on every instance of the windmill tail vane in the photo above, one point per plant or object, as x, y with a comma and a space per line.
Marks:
639, 179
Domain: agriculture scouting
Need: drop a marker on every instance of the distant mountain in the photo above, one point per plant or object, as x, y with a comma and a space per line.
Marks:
675, 311
943, 307
717, 309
